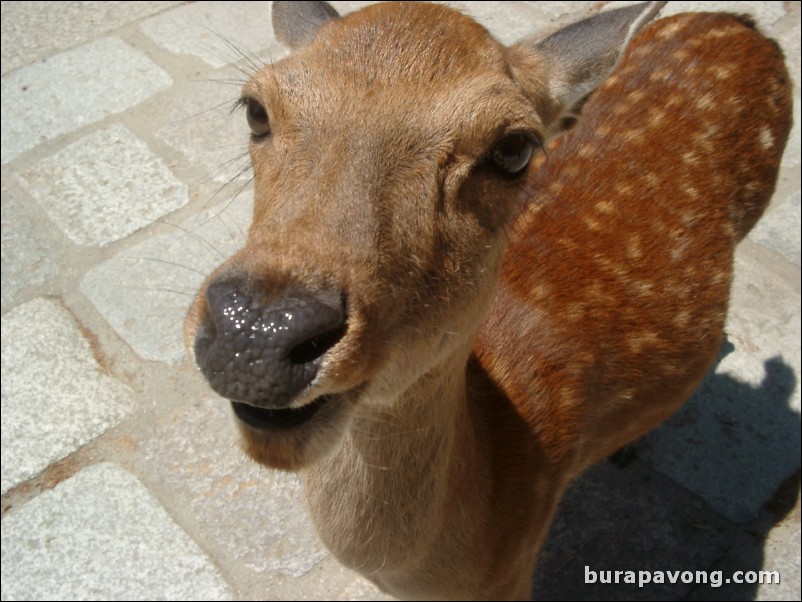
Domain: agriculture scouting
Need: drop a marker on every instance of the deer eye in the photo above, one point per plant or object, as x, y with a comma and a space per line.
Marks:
511, 155
257, 117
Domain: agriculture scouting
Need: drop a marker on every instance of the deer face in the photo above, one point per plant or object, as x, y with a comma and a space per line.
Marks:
385, 178
391, 152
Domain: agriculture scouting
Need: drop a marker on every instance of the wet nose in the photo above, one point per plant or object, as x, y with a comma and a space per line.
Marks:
266, 352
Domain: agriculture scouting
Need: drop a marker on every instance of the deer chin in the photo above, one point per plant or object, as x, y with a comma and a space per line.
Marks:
294, 438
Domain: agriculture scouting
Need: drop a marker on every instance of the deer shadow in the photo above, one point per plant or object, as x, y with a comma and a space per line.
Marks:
633, 518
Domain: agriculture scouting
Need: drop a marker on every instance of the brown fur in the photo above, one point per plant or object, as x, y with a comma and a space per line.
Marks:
451, 437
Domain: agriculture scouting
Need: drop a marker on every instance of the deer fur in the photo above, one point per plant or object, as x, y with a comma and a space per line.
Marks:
500, 334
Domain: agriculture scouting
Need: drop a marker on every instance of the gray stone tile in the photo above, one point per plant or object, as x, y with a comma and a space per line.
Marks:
55, 396
634, 519
359, 589
507, 21
738, 438
33, 30
217, 33
630, 519
101, 536
104, 187
765, 13
30, 253
779, 229
793, 156
74, 89
782, 555
145, 291
256, 517
205, 129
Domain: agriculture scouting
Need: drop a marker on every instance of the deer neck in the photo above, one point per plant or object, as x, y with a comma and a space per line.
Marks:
384, 497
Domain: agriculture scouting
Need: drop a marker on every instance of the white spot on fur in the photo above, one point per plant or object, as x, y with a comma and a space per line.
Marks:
670, 30
624, 189
721, 71
682, 319
656, 115
766, 138
634, 250
642, 340
555, 188
724, 31
690, 158
605, 207
679, 251
705, 101
690, 190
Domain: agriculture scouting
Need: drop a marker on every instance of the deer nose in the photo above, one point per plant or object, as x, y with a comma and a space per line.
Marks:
266, 352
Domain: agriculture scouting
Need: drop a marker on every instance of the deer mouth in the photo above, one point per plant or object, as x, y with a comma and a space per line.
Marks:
278, 419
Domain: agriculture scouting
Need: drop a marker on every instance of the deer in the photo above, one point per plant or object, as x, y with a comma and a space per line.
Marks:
474, 270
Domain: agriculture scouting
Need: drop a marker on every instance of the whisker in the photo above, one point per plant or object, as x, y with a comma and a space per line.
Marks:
165, 261
197, 237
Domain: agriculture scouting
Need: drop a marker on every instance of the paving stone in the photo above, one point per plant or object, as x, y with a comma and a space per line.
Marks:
29, 251
256, 516
104, 187
766, 14
55, 396
781, 552
779, 229
145, 291
74, 89
32, 30
101, 536
207, 130
359, 589
738, 437
791, 156
217, 33
507, 21
629, 519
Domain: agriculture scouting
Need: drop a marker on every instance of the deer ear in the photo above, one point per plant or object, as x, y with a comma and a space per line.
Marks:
575, 60
296, 23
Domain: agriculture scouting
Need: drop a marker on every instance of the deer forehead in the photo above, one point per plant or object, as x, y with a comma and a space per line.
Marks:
408, 41
424, 78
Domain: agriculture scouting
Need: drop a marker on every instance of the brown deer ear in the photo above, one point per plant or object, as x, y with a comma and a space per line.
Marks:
575, 60
296, 23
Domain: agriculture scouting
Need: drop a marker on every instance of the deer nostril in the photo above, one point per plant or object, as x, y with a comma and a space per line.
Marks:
317, 346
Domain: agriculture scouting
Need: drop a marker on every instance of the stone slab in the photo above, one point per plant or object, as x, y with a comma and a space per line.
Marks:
256, 516
33, 30
29, 249
630, 519
73, 89
102, 536
217, 33
104, 187
779, 229
55, 396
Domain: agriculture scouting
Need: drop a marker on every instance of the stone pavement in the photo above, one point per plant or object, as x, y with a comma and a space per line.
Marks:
124, 182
